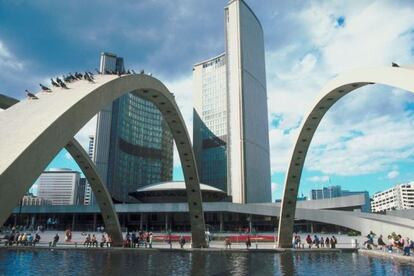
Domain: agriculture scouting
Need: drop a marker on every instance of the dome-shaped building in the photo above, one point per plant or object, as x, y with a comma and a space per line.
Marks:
174, 191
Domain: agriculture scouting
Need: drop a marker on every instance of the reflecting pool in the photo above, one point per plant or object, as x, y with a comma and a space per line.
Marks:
125, 262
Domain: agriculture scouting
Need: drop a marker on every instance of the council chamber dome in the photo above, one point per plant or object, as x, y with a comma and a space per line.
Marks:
174, 191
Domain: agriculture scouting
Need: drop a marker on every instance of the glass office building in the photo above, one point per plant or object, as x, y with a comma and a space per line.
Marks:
231, 135
140, 146
210, 122
134, 145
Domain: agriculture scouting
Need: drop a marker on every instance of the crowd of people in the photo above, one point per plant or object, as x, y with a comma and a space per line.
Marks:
318, 242
138, 239
22, 239
394, 243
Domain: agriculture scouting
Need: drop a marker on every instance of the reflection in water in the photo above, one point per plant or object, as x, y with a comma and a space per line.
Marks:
130, 262
286, 263
198, 263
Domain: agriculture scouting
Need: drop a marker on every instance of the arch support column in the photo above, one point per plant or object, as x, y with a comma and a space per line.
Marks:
402, 78
103, 198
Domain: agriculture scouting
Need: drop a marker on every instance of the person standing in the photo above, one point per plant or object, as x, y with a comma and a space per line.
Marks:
150, 239
55, 240
227, 243
407, 246
182, 241
248, 242
333, 242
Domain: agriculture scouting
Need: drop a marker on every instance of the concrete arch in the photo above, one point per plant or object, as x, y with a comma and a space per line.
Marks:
51, 121
337, 88
103, 197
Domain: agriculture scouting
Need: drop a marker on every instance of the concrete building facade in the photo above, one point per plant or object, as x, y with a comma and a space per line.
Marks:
60, 186
134, 146
230, 118
399, 197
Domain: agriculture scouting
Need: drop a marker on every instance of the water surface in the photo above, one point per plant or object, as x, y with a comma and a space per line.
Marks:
97, 262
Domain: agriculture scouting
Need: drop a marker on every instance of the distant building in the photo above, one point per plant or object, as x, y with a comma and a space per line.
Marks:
399, 197
326, 192
336, 191
111, 63
134, 145
32, 200
88, 197
60, 186
231, 138
80, 197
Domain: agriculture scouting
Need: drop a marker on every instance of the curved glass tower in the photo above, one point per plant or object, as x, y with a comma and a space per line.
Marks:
134, 145
141, 147
230, 93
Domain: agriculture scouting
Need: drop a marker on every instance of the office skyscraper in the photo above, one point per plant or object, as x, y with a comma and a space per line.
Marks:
60, 186
231, 137
134, 145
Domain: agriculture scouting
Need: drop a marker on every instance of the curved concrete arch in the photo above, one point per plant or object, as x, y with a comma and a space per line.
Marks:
102, 195
337, 88
103, 198
51, 121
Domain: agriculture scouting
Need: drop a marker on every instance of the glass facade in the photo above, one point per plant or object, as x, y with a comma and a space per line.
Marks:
210, 122
134, 145
141, 147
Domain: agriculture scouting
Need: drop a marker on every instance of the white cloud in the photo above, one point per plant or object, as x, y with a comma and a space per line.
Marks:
319, 179
382, 142
393, 174
7, 60
369, 130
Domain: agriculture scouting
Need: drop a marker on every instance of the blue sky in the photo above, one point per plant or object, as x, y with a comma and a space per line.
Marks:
364, 143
